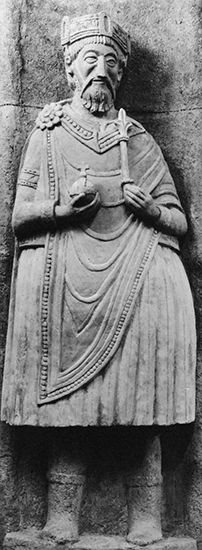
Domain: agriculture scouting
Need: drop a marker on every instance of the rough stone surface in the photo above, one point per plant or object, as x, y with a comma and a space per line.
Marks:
164, 95
10, 63
179, 136
160, 35
31, 540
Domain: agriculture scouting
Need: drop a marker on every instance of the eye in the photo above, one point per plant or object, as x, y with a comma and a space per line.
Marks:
90, 58
111, 61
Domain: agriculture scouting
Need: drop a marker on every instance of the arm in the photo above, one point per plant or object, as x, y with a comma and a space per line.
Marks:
168, 219
162, 208
31, 215
32, 212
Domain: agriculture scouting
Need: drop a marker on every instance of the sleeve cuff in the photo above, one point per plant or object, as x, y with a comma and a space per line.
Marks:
165, 218
47, 211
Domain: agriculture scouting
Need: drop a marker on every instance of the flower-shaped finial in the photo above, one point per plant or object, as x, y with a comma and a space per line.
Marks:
49, 116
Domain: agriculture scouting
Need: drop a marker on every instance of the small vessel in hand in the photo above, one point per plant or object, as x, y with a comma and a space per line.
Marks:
84, 189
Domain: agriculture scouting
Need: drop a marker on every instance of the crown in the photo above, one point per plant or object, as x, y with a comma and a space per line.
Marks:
96, 24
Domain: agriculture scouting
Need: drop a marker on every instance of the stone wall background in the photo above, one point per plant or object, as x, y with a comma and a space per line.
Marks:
163, 92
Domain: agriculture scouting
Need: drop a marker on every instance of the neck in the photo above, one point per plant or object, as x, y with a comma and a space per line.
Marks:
82, 112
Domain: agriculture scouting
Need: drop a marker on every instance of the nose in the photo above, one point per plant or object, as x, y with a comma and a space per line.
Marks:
101, 67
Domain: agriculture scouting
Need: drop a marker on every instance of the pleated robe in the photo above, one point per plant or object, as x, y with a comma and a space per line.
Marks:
101, 324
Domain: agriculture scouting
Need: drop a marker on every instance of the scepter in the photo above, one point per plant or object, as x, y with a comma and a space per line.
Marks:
123, 129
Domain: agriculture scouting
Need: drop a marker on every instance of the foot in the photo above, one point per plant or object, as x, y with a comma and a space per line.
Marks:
61, 530
144, 533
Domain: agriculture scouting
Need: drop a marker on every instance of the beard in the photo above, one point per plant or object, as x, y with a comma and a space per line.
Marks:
97, 97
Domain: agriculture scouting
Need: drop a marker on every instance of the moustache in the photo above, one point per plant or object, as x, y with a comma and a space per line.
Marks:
103, 80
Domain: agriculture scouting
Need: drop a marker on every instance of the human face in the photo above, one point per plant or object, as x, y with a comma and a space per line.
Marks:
97, 73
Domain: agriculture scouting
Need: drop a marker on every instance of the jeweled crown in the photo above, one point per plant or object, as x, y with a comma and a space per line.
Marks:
96, 24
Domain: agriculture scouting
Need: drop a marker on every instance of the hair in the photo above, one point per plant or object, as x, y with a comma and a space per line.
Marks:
71, 52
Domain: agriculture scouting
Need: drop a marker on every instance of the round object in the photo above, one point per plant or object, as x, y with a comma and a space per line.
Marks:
82, 186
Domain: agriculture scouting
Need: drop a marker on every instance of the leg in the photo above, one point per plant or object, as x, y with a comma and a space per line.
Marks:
66, 478
31, 477
143, 484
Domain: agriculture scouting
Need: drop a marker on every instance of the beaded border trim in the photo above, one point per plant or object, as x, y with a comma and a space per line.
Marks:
27, 183
76, 128
83, 135
111, 348
46, 285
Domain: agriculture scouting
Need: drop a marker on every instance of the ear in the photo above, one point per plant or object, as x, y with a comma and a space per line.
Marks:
69, 69
120, 74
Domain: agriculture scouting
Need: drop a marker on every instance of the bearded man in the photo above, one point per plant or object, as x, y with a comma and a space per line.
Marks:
101, 326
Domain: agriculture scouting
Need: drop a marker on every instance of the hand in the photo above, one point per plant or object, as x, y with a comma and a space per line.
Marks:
85, 205
141, 203
71, 210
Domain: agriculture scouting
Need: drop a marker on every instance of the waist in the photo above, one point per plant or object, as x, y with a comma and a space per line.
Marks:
39, 240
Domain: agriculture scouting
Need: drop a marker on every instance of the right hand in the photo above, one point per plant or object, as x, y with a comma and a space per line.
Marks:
71, 211
141, 203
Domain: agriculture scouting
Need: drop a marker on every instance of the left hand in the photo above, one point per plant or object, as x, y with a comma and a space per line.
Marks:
141, 203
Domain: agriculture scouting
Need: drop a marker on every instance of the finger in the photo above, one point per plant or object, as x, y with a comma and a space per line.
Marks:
77, 198
96, 199
134, 205
94, 202
134, 199
132, 196
88, 208
134, 189
137, 193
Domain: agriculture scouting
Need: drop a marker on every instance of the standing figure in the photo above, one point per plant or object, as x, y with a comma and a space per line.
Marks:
101, 325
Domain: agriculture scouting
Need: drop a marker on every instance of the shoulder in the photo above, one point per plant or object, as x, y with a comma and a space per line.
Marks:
137, 133
139, 137
33, 144
51, 115
140, 140
135, 127
31, 153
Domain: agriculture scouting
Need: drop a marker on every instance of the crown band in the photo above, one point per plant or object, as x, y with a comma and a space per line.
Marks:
98, 24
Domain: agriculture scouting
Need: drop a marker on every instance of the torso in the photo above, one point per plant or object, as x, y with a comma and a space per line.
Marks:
104, 172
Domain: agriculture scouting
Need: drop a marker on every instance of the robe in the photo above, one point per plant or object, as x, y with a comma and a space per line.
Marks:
101, 325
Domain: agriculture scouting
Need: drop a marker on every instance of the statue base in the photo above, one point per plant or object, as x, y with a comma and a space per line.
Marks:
32, 540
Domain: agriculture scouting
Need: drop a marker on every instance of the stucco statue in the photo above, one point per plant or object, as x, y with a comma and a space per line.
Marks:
101, 325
